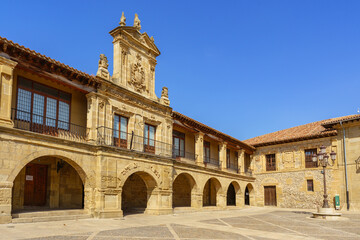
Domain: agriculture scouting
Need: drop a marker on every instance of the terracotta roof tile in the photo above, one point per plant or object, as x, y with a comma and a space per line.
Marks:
6, 43
206, 129
304, 132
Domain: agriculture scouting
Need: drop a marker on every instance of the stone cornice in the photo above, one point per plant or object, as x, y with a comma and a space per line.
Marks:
124, 95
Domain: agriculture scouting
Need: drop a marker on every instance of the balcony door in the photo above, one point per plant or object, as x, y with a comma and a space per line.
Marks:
120, 131
149, 138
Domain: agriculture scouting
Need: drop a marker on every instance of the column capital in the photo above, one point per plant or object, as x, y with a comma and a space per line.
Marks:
8, 62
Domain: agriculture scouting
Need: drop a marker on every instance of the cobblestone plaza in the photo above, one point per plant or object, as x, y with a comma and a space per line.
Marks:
247, 223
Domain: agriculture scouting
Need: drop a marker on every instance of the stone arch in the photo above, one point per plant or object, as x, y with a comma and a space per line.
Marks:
65, 156
212, 192
145, 171
249, 195
184, 190
233, 194
56, 176
138, 192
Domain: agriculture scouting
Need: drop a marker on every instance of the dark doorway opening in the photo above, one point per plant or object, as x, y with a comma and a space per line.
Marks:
134, 195
231, 195
247, 196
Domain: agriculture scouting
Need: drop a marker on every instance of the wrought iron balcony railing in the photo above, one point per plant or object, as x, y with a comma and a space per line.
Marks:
114, 137
232, 166
248, 172
48, 126
211, 161
179, 154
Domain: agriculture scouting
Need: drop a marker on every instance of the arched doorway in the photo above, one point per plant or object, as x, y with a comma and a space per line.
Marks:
182, 189
210, 192
248, 194
48, 183
136, 192
231, 196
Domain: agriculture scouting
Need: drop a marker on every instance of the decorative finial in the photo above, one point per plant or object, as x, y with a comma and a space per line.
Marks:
122, 20
103, 71
137, 24
152, 38
165, 96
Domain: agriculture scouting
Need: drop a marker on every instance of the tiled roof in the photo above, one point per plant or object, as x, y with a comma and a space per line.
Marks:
26, 54
334, 121
206, 129
299, 133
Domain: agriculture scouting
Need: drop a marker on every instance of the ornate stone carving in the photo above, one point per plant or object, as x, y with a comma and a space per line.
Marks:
137, 22
122, 20
137, 79
101, 105
129, 168
123, 54
103, 71
165, 96
153, 169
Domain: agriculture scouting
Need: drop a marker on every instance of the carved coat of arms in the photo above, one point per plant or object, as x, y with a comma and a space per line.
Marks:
137, 78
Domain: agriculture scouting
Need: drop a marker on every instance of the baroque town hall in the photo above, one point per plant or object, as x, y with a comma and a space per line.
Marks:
103, 146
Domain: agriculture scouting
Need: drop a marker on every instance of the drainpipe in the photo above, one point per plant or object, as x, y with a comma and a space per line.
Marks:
346, 177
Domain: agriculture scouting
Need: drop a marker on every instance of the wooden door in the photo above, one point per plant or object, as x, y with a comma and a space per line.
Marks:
35, 185
270, 195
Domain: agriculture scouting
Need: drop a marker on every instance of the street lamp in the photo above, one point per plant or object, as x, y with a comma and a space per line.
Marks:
323, 158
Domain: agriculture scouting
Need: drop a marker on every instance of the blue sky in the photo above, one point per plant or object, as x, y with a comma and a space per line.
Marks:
245, 68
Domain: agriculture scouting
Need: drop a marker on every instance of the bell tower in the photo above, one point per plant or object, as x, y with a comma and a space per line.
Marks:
134, 58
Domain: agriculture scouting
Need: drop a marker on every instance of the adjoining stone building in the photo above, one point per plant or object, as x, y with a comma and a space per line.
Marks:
107, 144
287, 177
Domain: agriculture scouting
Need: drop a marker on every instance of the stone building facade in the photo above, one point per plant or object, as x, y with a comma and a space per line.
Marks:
285, 174
106, 143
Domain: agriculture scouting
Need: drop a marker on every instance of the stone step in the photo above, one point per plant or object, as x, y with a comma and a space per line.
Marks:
31, 214
50, 218
184, 210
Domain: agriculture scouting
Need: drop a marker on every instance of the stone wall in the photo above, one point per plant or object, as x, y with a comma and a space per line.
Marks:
290, 176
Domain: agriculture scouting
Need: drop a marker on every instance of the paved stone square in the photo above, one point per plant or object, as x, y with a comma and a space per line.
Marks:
247, 223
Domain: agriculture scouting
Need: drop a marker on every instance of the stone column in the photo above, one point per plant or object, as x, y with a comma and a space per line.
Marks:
91, 118
222, 155
239, 152
241, 161
221, 200
159, 202
199, 149
6, 83
5, 201
54, 185
196, 200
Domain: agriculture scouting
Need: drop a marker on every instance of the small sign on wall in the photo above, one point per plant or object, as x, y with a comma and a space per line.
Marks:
29, 178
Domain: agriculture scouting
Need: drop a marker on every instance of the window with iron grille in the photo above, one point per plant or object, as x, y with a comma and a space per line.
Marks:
178, 144
310, 185
270, 162
42, 105
308, 158
206, 151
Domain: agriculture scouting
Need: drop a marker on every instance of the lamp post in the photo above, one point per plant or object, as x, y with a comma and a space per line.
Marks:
323, 158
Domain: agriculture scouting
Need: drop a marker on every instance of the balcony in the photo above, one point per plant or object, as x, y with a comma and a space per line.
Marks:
113, 137
211, 161
48, 126
232, 166
248, 172
179, 155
